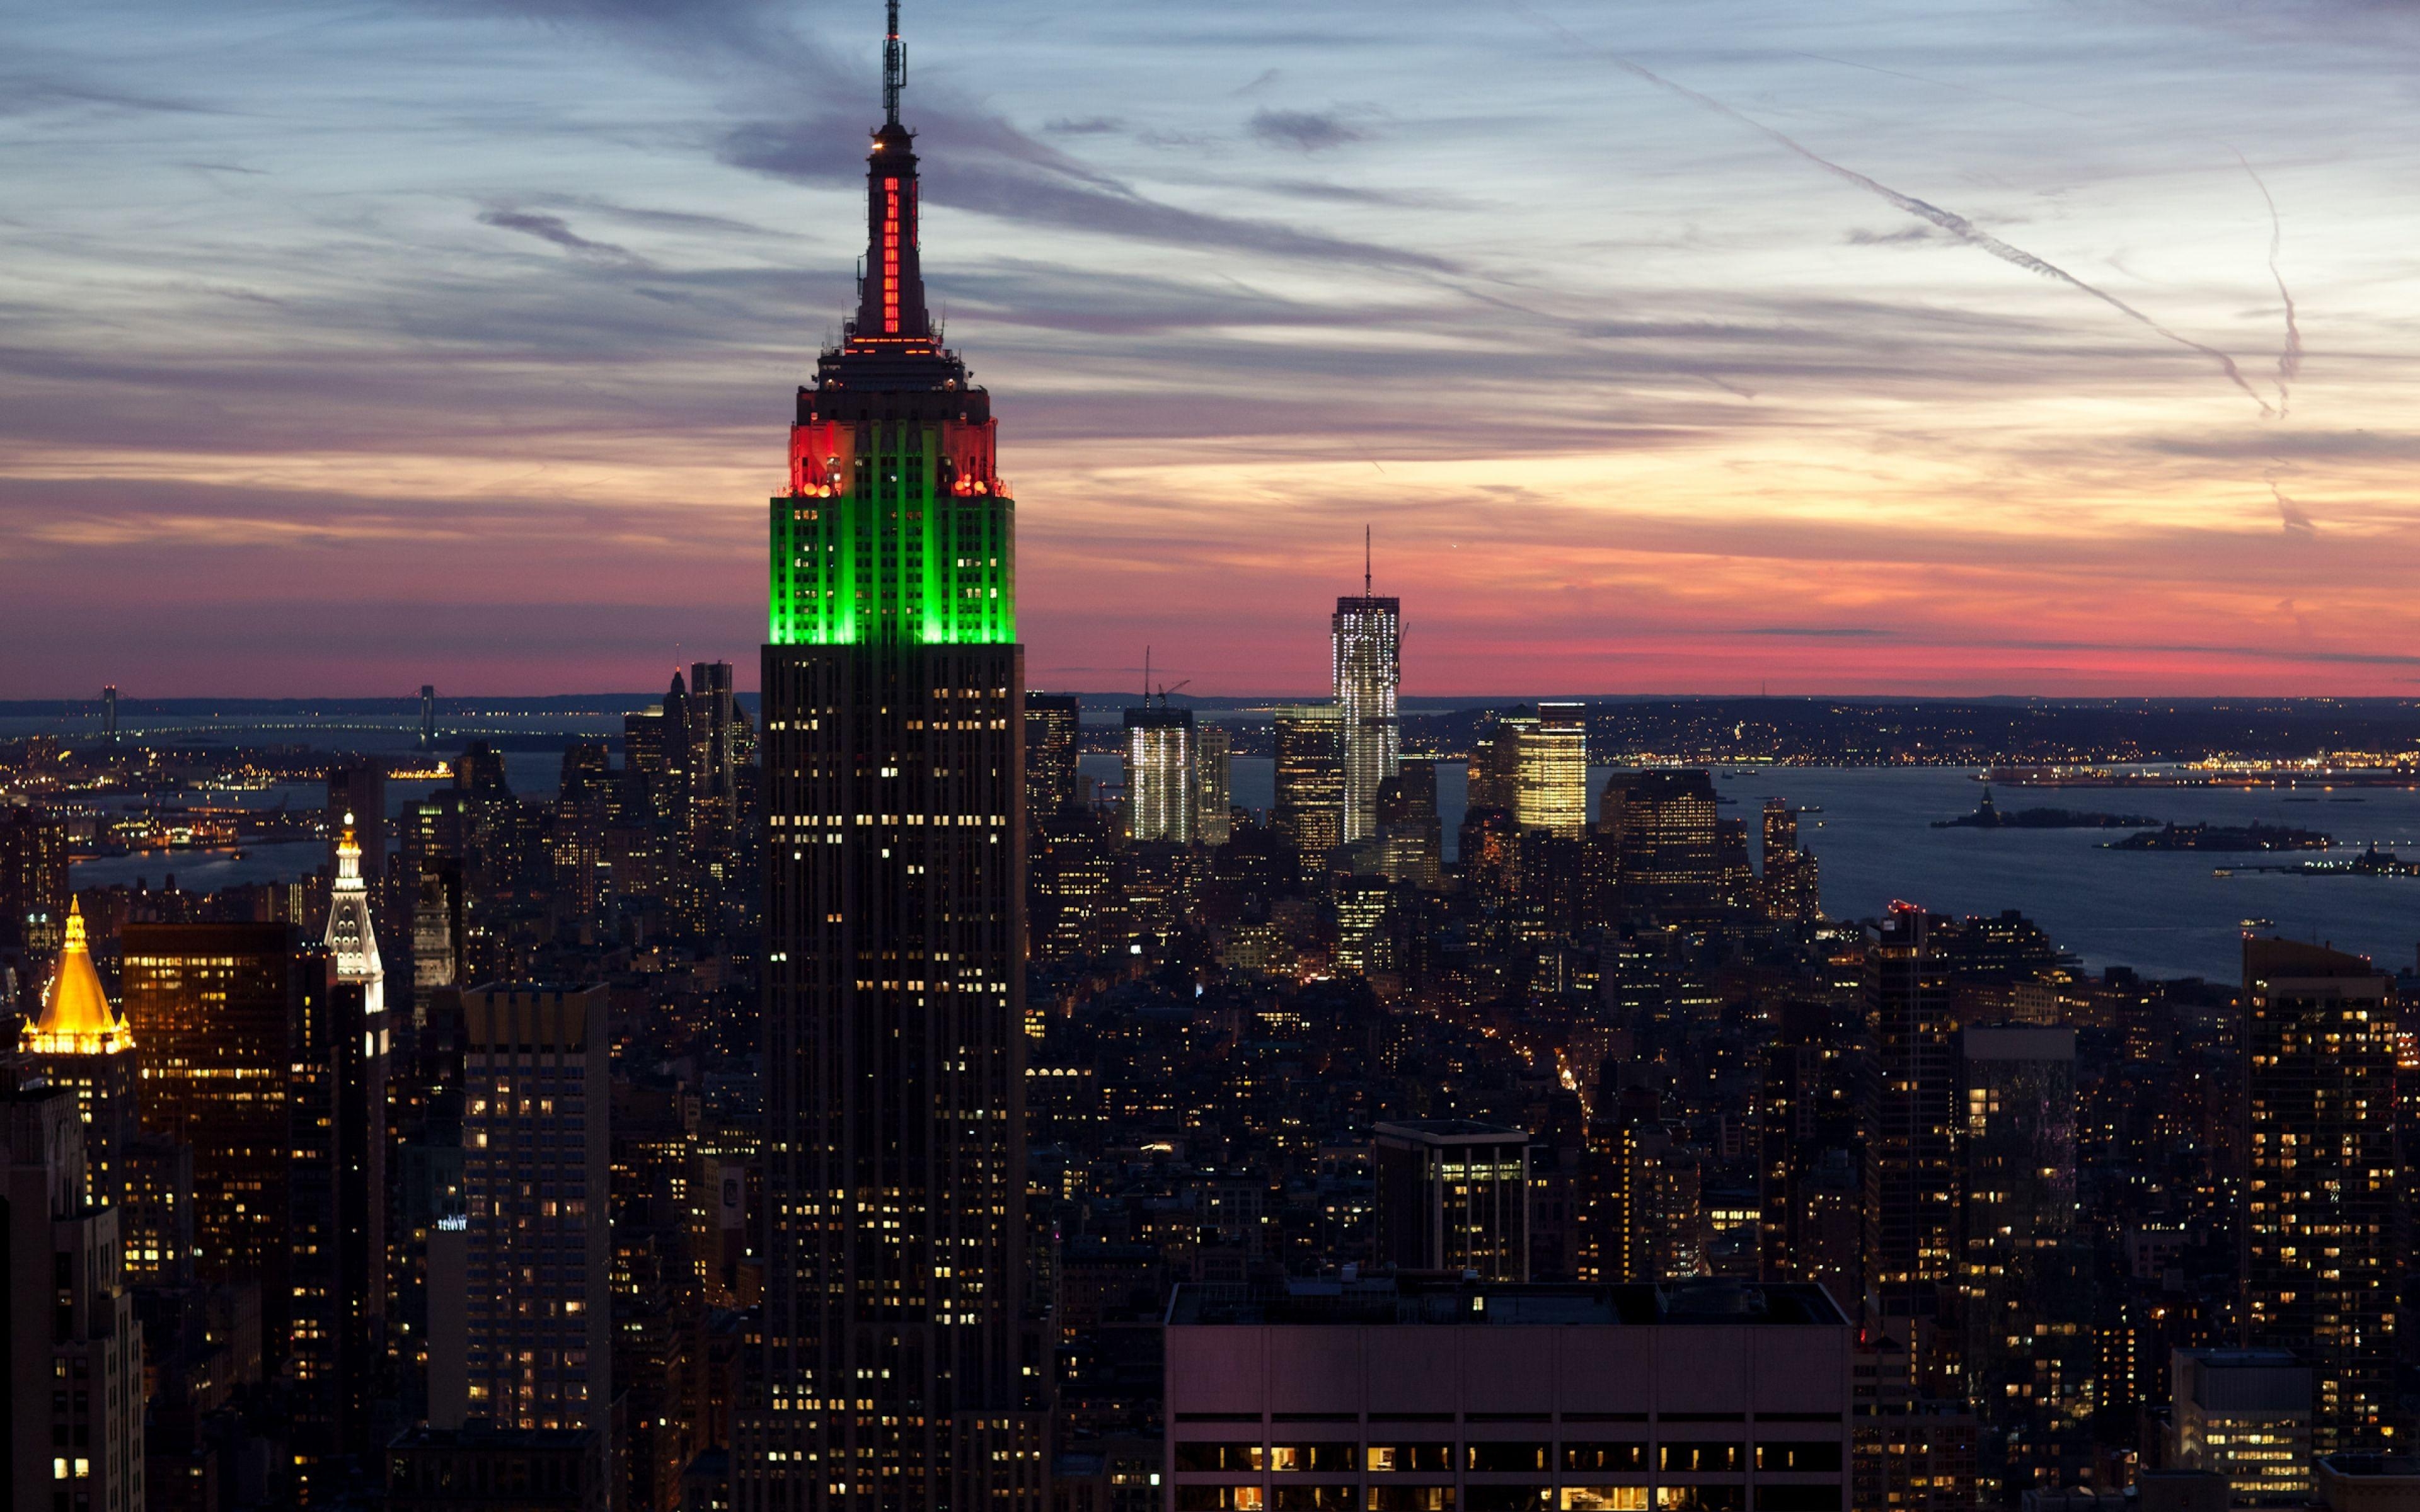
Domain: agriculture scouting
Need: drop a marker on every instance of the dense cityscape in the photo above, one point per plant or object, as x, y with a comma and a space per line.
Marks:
843, 1093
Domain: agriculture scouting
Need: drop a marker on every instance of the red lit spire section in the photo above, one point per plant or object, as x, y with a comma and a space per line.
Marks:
890, 297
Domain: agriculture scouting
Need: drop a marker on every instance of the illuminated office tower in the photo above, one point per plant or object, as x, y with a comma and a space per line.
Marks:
357, 802
1077, 910
1367, 645
1805, 1127
33, 880
1910, 1109
213, 1005
1409, 828
1452, 1194
1162, 795
1550, 782
1052, 724
1365, 927
437, 930
1213, 759
1791, 888
1495, 768
2245, 1414
896, 1369
1310, 796
78, 1044
536, 1342
72, 1436
2025, 1275
336, 1187
1656, 841
722, 746
583, 812
2319, 1213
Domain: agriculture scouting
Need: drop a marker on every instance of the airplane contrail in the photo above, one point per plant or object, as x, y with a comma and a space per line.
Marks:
2290, 361
2290, 514
1950, 221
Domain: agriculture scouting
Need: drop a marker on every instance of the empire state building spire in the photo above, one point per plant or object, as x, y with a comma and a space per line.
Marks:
890, 295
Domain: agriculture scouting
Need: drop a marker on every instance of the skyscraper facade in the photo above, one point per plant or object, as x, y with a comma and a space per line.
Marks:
1656, 844
2025, 1280
538, 1345
339, 1046
1410, 832
212, 1005
1791, 890
33, 879
2319, 1247
1310, 793
896, 1370
1366, 643
357, 805
1162, 795
1052, 721
1214, 760
1910, 1106
1550, 782
71, 1351
1452, 1194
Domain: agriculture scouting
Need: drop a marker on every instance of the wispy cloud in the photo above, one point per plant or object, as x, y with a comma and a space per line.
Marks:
1304, 130
555, 229
502, 304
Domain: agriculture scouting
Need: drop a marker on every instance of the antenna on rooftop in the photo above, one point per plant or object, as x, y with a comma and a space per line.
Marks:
894, 69
1365, 561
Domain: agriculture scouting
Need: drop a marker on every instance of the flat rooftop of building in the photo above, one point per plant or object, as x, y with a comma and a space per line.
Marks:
1449, 1128
1364, 1302
2241, 1359
480, 1434
2393, 1466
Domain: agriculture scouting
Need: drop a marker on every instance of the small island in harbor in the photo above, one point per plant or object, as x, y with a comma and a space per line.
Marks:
1986, 816
2221, 838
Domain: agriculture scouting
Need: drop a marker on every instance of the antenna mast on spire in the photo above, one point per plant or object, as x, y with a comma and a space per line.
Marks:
894, 69
1365, 561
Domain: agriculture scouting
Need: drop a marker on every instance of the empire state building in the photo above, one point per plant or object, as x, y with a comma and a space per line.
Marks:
897, 1370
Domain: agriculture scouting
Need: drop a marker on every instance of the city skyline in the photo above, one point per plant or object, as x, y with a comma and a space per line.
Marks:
1638, 398
903, 1091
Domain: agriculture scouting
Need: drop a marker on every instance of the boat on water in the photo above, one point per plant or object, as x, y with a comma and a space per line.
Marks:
2259, 923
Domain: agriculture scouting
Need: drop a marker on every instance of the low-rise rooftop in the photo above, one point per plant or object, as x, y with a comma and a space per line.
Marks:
1387, 1300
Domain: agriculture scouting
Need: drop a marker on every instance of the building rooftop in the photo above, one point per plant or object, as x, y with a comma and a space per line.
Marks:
76, 1019
1448, 1129
2395, 1466
478, 1433
1406, 1299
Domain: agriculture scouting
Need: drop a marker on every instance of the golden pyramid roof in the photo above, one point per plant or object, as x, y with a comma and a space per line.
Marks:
76, 1019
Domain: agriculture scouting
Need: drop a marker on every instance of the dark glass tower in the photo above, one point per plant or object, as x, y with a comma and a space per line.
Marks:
896, 1370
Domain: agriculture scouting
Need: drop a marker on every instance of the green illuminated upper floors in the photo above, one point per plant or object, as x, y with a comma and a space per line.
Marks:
893, 545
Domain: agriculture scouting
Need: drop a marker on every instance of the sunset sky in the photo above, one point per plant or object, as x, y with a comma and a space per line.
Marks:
344, 347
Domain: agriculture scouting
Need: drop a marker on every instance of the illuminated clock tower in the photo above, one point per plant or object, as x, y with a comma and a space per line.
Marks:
897, 1369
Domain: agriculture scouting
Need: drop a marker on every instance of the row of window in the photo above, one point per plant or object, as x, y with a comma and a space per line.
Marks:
1507, 1499
1684, 1456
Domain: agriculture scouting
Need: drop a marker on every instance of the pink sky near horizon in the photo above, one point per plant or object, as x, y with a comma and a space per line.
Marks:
409, 347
